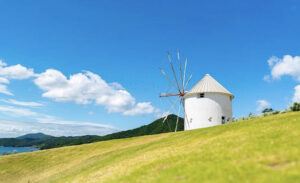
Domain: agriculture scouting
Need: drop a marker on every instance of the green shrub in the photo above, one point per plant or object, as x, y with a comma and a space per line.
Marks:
6, 153
267, 110
295, 107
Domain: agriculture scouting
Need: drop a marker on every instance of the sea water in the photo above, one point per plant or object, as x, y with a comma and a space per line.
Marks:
17, 149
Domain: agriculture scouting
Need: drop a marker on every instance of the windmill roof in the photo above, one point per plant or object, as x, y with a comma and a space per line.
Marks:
208, 85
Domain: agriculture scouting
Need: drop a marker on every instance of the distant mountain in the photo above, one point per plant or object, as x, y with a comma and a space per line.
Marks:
34, 136
48, 142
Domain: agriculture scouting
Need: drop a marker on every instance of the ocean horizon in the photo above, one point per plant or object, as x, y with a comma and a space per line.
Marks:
16, 149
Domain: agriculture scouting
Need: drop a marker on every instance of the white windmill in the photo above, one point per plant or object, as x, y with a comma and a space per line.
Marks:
207, 104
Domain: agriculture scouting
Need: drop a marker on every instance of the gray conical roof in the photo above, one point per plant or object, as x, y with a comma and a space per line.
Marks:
208, 85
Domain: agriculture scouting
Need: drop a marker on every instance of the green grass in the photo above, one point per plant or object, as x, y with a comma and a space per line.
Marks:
257, 150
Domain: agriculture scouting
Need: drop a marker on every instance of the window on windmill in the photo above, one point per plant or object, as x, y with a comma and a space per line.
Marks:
228, 119
209, 119
201, 95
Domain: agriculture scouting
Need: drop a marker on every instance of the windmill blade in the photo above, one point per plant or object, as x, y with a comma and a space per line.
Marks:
163, 72
172, 67
170, 110
188, 81
184, 73
180, 69
177, 117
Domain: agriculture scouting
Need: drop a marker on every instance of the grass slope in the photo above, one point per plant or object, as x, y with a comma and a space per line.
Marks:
47, 142
156, 127
257, 150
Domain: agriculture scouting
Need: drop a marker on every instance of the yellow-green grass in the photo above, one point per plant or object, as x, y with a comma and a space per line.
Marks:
257, 150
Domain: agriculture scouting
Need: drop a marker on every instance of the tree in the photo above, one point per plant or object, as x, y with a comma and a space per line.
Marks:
295, 107
250, 115
267, 110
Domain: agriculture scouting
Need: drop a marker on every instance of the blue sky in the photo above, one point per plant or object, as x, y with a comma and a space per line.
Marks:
125, 42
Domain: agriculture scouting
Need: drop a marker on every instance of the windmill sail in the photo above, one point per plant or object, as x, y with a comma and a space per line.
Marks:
179, 87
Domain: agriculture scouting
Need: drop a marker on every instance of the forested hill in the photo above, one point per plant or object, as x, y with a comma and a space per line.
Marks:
34, 136
47, 142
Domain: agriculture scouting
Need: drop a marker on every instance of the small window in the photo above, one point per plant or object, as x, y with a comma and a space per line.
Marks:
201, 95
223, 119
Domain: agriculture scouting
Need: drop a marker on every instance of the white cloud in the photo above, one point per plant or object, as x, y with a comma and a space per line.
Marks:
22, 103
16, 72
59, 128
4, 80
140, 108
273, 60
48, 124
14, 111
296, 97
262, 104
288, 65
161, 114
4, 90
87, 88
90, 113
12, 72
81, 88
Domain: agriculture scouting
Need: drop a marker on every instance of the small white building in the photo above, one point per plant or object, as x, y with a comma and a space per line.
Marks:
207, 104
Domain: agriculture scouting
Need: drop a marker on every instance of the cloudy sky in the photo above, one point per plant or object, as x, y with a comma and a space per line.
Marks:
91, 67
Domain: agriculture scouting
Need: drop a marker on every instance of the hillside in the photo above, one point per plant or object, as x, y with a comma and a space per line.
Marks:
257, 150
47, 142
155, 127
33, 136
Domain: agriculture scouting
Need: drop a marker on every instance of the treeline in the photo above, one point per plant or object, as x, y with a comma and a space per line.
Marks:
270, 111
155, 127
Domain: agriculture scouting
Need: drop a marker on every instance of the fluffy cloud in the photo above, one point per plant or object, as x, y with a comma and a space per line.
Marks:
87, 88
81, 88
21, 103
58, 128
262, 104
288, 65
140, 108
12, 72
16, 72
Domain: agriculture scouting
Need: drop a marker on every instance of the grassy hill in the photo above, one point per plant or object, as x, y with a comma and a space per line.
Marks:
257, 150
43, 141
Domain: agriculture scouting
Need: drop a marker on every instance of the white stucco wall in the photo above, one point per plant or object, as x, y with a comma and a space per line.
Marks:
199, 110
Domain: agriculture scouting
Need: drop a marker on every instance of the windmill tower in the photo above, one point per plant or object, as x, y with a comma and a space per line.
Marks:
207, 104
